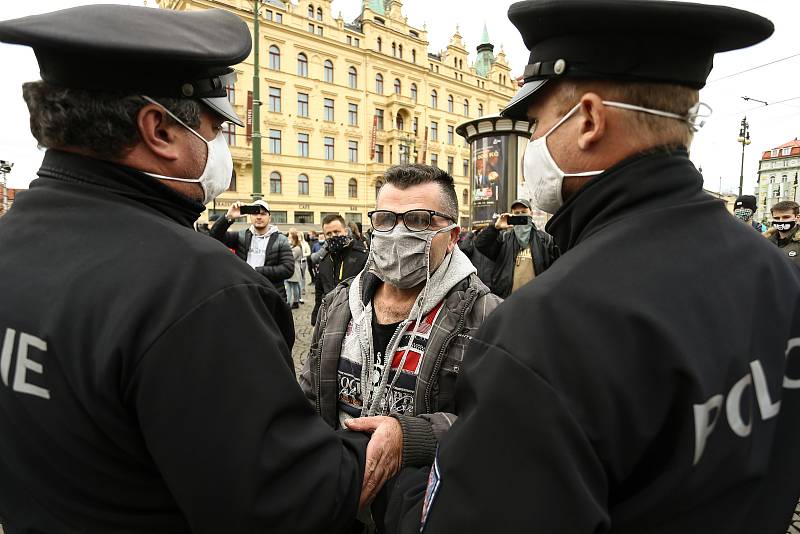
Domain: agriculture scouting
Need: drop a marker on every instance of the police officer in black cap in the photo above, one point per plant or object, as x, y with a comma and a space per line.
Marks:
629, 388
147, 383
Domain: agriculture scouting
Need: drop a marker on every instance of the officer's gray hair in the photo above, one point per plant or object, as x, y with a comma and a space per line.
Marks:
101, 123
660, 96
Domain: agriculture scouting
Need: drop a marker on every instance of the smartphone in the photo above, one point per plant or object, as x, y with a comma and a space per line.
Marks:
518, 219
250, 209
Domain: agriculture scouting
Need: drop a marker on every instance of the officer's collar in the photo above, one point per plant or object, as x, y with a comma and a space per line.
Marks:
119, 180
634, 185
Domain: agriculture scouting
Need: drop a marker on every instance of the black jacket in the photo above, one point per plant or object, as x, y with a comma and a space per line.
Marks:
334, 268
636, 386
502, 248
483, 265
278, 263
151, 386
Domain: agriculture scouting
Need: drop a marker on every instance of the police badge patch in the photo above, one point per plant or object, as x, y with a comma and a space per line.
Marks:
792, 253
434, 479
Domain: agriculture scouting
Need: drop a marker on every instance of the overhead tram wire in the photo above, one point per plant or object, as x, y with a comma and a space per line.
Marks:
752, 69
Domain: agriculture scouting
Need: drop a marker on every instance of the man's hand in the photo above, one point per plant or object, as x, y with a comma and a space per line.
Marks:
233, 211
384, 452
502, 222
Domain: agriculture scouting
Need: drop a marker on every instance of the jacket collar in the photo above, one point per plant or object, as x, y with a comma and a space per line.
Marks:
636, 185
119, 180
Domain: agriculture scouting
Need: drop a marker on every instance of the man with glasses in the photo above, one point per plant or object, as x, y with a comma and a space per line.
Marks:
389, 344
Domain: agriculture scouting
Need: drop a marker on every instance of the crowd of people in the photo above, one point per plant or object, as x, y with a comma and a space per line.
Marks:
612, 372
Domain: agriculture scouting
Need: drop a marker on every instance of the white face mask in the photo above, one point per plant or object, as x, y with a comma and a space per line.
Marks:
402, 257
543, 177
216, 176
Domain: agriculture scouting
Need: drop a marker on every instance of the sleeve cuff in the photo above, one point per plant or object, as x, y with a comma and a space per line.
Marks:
419, 442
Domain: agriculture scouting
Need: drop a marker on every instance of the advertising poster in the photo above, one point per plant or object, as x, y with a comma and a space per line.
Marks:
489, 178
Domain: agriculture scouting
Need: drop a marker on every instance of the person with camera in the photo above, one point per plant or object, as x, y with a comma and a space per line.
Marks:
262, 245
342, 257
519, 250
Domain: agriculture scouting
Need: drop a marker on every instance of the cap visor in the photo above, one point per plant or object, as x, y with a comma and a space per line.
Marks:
222, 106
517, 108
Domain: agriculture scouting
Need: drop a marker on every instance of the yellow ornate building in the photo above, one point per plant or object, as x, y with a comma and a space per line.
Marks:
341, 102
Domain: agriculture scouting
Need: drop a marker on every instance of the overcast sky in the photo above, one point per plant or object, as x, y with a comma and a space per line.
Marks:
715, 148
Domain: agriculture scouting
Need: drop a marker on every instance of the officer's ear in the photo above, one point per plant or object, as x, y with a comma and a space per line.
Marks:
592, 115
158, 132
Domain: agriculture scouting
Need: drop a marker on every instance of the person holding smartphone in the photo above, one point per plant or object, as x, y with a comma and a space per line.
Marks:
519, 249
262, 245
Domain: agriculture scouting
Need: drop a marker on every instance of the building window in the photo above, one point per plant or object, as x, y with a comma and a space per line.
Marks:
450, 134
465, 197
302, 184
279, 217
397, 86
380, 44
413, 56
394, 50
319, 13
310, 27
275, 183
465, 167
302, 65
302, 145
352, 77
328, 71
268, 14
274, 145
450, 103
275, 99
434, 131
480, 110
414, 93
434, 99
229, 133
786, 151
279, 20
310, 11
450, 165
319, 30
329, 186
349, 40
774, 152
400, 51
466, 107
352, 188
352, 149
379, 114
328, 116
304, 217
329, 148
379, 83
352, 114
378, 185
379, 153
302, 104
274, 58
415, 126
401, 124
434, 160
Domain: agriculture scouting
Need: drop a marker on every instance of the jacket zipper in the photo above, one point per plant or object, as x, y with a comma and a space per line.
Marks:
323, 314
473, 296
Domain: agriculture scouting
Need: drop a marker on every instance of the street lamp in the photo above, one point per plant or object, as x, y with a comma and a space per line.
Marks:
5, 168
256, 135
744, 139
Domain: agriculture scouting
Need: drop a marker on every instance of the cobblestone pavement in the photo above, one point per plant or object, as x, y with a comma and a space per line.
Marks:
303, 329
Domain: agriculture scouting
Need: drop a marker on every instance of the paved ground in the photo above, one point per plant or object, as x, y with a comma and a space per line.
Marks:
303, 329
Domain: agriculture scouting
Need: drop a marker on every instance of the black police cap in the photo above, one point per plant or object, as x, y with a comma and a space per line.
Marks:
626, 40
156, 52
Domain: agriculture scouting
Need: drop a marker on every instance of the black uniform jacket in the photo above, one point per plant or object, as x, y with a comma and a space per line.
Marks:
646, 383
146, 378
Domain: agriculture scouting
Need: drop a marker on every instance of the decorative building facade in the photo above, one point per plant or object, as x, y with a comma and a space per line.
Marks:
341, 102
777, 176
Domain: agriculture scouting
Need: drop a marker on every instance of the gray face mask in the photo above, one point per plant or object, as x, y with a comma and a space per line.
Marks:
402, 257
523, 234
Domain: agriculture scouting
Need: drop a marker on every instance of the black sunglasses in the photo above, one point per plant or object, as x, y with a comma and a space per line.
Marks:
413, 220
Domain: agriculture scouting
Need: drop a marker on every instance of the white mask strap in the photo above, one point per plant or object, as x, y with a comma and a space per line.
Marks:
168, 112
563, 119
